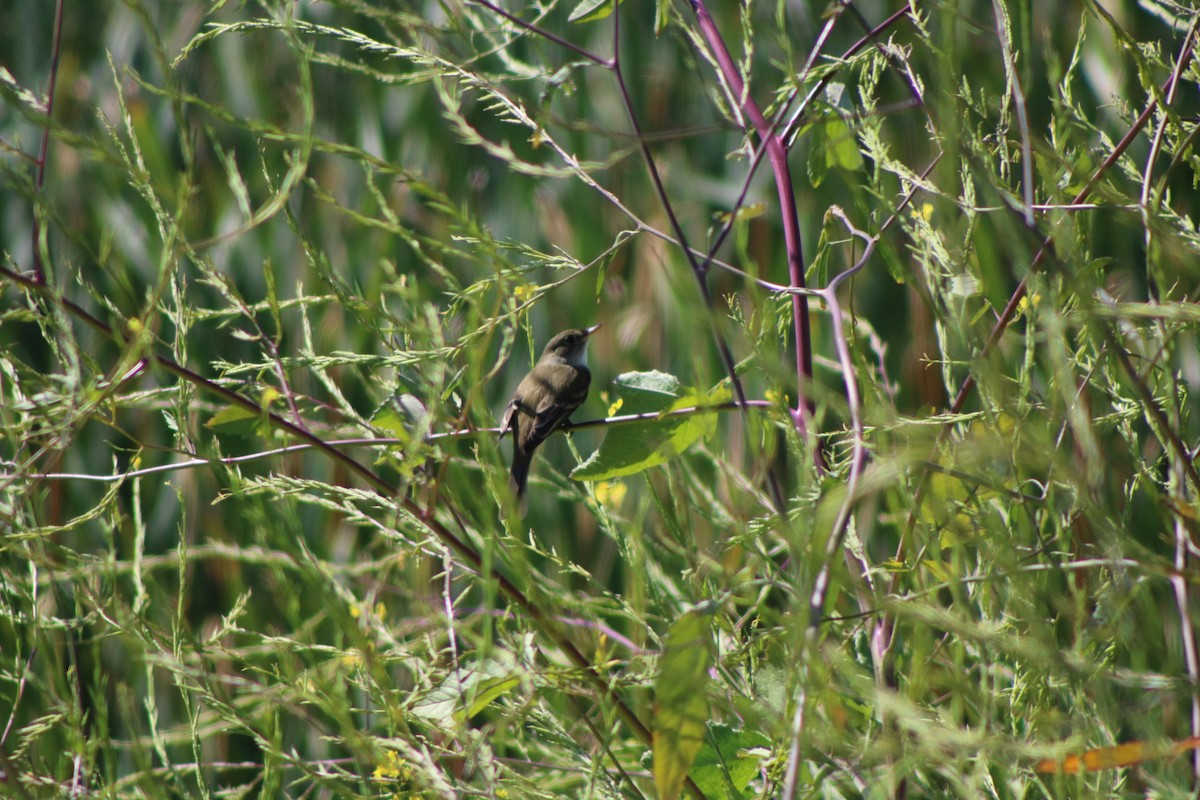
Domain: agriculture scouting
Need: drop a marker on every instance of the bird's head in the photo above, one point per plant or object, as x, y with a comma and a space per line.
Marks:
569, 347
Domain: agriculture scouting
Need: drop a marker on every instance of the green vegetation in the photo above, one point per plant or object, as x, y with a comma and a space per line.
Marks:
907, 531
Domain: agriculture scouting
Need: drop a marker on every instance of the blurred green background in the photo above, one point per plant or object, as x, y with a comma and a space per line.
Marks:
324, 206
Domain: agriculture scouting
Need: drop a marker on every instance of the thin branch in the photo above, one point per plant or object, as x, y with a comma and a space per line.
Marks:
1155, 416
1003, 30
760, 151
623, 419
841, 523
698, 269
542, 619
1010, 309
885, 631
802, 415
39, 178
545, 34
858, 458
1179, 467
790, 130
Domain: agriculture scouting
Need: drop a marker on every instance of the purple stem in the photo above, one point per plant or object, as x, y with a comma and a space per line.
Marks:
802, 414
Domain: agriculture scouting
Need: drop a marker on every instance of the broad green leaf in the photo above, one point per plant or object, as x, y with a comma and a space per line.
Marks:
818, 165
841, 149
629, 449
488, 690
405, 418
681, 698
236, 420
727, 762
743, 214
390, 421
591, 10
832, 145
465, 692
439, 705
662, 15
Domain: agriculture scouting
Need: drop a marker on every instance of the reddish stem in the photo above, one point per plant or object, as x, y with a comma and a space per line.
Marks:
787, 202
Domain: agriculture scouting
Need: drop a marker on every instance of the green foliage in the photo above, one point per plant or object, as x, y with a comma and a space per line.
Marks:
284, 264
681, 698
638, 446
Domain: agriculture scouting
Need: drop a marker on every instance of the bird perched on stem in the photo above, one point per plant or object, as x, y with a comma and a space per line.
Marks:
546, 398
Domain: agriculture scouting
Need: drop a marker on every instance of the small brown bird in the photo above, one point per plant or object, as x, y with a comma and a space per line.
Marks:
546, 397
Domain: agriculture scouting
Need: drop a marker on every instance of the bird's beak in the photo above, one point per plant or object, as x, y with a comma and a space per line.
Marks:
593, 329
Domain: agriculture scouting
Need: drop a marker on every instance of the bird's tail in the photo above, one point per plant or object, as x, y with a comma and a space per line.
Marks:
520, 470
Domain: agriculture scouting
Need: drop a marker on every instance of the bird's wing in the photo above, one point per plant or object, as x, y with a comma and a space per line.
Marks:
510, 418
548, 419
551, 414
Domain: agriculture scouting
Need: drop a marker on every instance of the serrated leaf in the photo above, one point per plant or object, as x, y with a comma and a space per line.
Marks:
681, 698
629, 449
438, 706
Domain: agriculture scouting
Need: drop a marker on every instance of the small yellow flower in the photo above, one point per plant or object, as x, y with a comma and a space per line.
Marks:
356, 611
925, 212
1027, 302
773, 396
380, 610
270, 395
601, 649
352, 659
612, 409
611, 493
393, 766
524, 292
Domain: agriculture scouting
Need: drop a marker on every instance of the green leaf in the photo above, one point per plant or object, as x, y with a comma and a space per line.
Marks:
488, 690
591, 10
841, 149
681, 698
465, 692
662, 16
743, 214
833, 146
630, 449
818, 165
727, 762
236, 420
405, 418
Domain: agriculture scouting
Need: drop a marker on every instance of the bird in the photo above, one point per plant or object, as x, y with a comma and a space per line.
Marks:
546, 398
